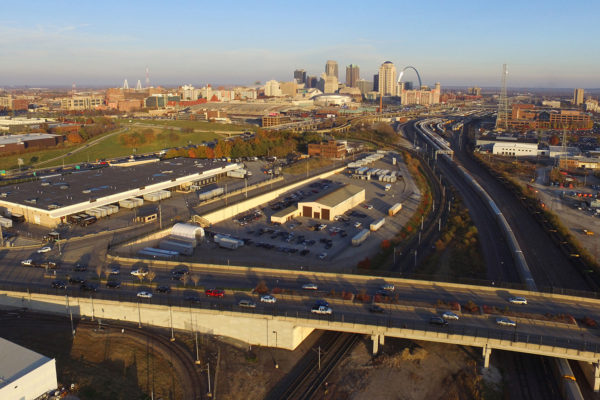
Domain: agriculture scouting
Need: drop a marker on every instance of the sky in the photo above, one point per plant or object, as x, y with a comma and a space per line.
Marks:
552, 44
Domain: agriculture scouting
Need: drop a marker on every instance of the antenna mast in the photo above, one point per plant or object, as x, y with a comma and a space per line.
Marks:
502, 118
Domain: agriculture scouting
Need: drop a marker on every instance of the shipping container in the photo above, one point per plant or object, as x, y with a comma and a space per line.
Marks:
377, 224
360, 237
395, 209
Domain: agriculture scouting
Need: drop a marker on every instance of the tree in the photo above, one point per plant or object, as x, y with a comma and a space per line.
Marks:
554, 140
151, 276
74, 138
261, 288
195, 279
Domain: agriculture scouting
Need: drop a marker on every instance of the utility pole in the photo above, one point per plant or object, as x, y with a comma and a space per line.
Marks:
171, 314
197, 353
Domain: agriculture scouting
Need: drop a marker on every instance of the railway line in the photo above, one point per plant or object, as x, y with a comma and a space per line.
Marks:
175, 352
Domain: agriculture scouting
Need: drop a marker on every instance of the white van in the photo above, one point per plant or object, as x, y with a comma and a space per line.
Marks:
388, 187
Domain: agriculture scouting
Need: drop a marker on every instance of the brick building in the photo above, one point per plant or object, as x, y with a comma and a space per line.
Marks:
274, 119
527, 116
328, 149
11, 144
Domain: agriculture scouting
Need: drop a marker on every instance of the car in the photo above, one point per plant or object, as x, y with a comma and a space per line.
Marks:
177, 277
247, 303
503, 321
304, 252
450, 315
321, 310
214, 293
322, 256
321, 303
374, 308
76, 279
58, 284
44, 249
388, 286
163, 289
518, 300
192, 297
144, 294
267, 298
310, 286
368, 206
28, 262
139, 272
357, 224
438, 321
90, 287
115, 270
80, 267
113, 284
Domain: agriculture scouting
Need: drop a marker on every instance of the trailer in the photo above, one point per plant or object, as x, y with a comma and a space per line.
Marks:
360, 237
6, 222
158, 253
228, 242
395, 209
238, 173
210, 194
178, 246
377, 224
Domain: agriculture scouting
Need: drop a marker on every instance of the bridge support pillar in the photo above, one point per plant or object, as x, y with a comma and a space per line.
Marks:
375, 339
597, 377
382, 339
487, 351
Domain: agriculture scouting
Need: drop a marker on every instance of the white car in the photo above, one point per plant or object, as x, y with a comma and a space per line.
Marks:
321, 310
357, 224
503, 321
45, 249
247, 303
450, 315
144, 294
115, 270
388, 286
518, 300
27, 262
139, 272
267, 298
310, 286
322, 256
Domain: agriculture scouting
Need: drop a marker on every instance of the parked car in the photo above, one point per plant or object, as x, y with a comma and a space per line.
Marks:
247, 303
144, 294
322, 256
518, 300
388, 286
58, 284
504, 321
163, 289
321, 310
80, 267
214, 293
76, 279
438, 321
450, 315
90, 287
115, 270
267, 298
374, 308
139, 272
44, 249
310, 286
113, 284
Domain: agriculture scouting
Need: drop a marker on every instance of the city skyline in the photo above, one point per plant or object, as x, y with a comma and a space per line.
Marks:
64, 42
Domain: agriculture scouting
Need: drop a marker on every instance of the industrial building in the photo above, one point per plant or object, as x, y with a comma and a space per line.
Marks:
21, 142
325, 207
335, 203
51, 199
328, 149
25, 374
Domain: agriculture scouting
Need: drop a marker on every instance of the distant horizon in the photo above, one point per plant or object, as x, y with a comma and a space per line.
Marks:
61, 42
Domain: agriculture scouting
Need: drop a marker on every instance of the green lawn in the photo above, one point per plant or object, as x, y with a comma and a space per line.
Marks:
108, 148
203, 125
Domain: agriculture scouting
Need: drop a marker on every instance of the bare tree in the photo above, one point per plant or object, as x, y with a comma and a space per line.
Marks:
151, 276
195, 279
185, 279
99, 270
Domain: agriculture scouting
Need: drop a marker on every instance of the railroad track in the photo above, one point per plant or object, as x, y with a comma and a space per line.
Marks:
306, 377
175, 352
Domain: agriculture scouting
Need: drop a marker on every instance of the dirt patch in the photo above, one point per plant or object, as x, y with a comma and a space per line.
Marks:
408, 371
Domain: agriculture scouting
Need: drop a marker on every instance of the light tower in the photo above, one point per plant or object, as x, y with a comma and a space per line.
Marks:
502, 118
125, 84
147, 77
138, 87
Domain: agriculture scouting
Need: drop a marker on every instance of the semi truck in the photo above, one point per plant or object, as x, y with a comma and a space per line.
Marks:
228, 242
360, 237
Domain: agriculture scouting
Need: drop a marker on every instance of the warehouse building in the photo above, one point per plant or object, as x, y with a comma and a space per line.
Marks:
25, 374
335, 203
51, 199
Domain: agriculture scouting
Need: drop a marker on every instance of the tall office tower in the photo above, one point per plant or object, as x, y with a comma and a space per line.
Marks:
502, 118
578, 97
331, 69
300, 76
352, 75
364, 86
387, 79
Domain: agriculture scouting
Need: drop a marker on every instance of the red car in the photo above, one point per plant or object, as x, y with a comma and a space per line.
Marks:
214, 292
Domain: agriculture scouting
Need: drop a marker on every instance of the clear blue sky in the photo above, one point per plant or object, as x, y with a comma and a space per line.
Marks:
545, 43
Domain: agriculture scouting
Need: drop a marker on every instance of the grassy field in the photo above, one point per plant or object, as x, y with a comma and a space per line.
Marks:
201, 125
108, 148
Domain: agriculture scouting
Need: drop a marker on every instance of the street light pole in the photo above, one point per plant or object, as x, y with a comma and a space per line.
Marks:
276, 364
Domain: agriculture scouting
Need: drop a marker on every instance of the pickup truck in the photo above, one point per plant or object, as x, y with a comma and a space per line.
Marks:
321, 310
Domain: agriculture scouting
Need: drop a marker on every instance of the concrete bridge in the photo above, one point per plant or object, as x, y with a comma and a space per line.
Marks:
270, 326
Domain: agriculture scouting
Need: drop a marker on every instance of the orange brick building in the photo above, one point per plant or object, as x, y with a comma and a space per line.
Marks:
329, 149
526, 117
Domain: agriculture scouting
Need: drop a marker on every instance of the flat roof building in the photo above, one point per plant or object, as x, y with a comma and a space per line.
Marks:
335, 203
25, 374
51, 199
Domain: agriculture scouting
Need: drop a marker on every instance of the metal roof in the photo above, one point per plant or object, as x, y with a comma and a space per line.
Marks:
285, 212
17, 361
10, 139
338, 196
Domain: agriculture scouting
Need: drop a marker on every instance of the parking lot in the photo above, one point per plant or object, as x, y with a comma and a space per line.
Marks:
306, 242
